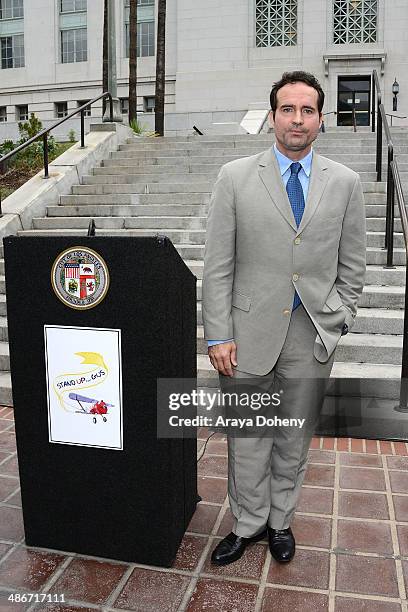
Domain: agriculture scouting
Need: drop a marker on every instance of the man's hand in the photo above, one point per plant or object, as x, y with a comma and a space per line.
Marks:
222, 356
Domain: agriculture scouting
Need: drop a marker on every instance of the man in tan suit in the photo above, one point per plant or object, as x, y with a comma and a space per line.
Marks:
284, 266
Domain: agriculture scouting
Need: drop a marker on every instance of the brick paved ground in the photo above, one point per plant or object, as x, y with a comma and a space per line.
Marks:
351, 530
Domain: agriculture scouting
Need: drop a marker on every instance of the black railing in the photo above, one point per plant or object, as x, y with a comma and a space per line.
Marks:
395, 116
403, 399
382, 123
44, 134
323, 128
394, 186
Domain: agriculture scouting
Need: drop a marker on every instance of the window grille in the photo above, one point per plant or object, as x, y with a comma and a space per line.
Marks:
276, 23
354, 21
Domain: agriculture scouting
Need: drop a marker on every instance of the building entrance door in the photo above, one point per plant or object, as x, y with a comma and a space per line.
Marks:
353, 92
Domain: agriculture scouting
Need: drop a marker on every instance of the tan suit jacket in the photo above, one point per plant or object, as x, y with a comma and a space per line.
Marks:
255, 257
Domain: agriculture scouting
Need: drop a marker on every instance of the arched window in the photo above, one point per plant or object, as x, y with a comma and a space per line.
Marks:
354, 21
276, 23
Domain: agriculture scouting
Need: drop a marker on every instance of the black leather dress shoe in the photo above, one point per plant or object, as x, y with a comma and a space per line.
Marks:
281, 544
232, 548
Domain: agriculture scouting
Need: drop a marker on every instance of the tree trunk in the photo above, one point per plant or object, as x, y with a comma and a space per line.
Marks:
105, 54
160, 67
133, 61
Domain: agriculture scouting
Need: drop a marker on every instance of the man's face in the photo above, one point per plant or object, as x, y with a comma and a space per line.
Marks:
297, 120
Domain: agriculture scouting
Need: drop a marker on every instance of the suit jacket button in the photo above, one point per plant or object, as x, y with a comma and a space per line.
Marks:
295, 277
297, 240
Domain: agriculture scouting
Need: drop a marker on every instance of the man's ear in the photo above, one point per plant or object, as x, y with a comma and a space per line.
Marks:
271, 122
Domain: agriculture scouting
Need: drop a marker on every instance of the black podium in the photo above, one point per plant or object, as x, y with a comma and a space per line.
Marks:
134, 503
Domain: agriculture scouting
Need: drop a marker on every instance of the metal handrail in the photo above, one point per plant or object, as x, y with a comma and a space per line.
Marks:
383, 123
394, 185
376, 89
323, 128
44, 133
353, 114
396, 181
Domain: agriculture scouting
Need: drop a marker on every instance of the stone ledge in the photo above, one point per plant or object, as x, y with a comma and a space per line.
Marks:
32, 198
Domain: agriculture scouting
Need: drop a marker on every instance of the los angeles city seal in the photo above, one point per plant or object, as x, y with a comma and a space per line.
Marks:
80, 278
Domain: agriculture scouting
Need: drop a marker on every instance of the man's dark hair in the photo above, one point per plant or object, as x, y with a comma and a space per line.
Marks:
295, 77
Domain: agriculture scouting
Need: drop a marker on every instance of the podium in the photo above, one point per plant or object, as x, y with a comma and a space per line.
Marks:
95, 478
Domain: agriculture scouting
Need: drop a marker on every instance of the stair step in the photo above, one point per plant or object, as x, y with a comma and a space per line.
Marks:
380, 380
378, 275
378, 256
377, 239
96, 186
378, 296
387, 298
118, 222
379, 210
176, 188
375, 275
193, 236
130, 210
187, 179
3, 330
4, 357
186, 166
6, 398
3, 306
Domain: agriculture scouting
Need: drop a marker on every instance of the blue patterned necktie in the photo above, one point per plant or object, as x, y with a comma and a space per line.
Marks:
297, 201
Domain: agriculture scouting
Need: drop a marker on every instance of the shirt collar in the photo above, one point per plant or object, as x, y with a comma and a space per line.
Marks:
285, 163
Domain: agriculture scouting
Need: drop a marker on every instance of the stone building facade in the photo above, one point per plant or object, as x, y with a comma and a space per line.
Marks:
222, 56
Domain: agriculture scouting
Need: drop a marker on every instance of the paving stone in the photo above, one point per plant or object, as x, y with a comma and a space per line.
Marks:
213, 596
29, 569
152, 590
89, 580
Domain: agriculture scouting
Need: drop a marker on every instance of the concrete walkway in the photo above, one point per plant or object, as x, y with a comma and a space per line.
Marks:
351, 530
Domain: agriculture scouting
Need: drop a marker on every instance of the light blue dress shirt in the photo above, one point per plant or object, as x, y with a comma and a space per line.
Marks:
304, 177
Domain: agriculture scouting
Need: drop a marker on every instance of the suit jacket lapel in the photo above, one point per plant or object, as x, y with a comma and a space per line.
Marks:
319, 176
270, 175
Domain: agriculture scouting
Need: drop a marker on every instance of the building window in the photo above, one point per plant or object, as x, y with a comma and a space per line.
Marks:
145, 39
149, 103
145, 44
276, 23
11, 9
12, 51
354, 21
74, 46
22, 112
87, 111
140, 3
124, 106
3, 114
72, 6
61, 109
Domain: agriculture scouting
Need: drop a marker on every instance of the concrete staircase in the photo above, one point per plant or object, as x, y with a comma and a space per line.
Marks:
163, 185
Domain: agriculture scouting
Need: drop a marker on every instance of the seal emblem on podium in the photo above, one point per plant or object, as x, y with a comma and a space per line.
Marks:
80, 277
